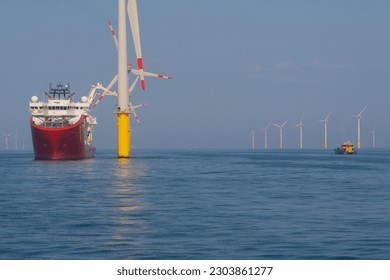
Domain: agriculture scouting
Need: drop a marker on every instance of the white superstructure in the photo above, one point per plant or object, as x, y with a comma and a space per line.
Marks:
60, 111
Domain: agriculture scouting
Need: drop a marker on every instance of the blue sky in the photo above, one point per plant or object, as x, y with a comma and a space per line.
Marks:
237, 65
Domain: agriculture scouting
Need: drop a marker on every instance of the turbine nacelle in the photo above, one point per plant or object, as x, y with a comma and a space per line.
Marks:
361, 112
267, 126
300, 123
280, 126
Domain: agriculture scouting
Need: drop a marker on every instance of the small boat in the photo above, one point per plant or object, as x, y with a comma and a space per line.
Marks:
345, 149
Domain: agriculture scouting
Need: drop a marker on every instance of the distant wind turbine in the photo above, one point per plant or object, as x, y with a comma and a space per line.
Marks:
300, 125
280, 133
373, 137
6, 136
16, 140
325, 121
253, 138
359, 116
266, 136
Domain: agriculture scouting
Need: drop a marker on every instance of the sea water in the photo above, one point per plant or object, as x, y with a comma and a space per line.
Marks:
197, 204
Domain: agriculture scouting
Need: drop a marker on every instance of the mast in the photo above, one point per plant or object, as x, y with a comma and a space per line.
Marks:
123, 123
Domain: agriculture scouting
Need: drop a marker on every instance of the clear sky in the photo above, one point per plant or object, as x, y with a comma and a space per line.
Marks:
237, 65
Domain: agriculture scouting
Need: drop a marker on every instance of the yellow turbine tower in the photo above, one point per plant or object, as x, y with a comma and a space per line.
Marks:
123, 123
125, 108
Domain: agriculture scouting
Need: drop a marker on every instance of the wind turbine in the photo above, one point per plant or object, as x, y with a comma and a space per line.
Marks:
373, 137
253, 138
280, 132
16, 140
124, 110
266, 136
300, 125
6, 136
325, 121
359, 116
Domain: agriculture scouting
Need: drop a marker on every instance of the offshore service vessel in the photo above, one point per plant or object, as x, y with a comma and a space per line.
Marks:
60, 128
346, 148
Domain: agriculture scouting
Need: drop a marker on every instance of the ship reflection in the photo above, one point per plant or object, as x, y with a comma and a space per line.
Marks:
129, 194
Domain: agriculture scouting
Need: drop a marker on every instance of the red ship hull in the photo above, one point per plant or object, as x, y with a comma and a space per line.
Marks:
66, 143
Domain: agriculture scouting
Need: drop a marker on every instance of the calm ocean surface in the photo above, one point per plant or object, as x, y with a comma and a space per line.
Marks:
194, 204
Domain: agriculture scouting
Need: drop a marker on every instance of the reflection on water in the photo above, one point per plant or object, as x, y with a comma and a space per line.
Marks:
197, 205
129, 197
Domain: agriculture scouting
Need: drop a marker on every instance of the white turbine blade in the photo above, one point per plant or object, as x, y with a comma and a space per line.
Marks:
113, 82
275, 124
113, 34
132, 13
140, 105
149, 74
284, 124
106, 90
326, 119
160, 76
133, 85
363, 110
132, 110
